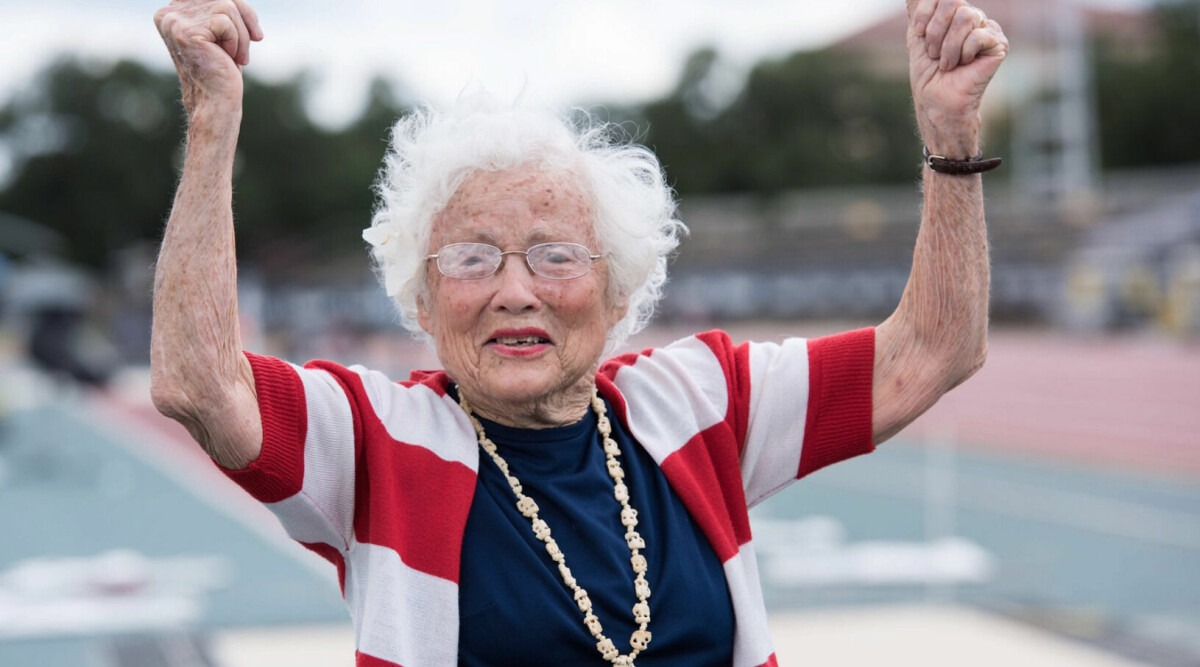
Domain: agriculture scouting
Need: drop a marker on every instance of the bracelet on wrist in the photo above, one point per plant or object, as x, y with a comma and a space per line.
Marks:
972, 165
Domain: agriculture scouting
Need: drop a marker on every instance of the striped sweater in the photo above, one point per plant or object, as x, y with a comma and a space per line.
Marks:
378, 476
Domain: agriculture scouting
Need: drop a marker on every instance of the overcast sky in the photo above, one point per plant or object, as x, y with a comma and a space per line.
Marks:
561, 51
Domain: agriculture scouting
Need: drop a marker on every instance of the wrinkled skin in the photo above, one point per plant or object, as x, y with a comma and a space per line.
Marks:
514, 210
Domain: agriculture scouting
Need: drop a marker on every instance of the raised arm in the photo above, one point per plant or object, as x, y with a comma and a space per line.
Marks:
937, 337
199, 375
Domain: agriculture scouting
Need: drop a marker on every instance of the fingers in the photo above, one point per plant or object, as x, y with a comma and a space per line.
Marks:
945, 30
919, 13
989, 41
230, 31
966, 21
250, 18
229, 24
939, 26
231, 35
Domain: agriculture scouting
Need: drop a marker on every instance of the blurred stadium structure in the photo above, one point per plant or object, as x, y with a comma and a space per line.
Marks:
1059, 490
1072, 246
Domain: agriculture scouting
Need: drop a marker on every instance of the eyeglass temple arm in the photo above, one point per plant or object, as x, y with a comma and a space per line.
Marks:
516, 252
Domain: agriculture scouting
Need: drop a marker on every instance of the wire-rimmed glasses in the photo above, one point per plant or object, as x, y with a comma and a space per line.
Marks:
553, 261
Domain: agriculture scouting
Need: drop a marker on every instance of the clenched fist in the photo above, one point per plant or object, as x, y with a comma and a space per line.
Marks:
209, 41
954, 50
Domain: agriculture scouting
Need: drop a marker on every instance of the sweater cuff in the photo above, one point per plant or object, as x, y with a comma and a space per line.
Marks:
278, 472
838, 420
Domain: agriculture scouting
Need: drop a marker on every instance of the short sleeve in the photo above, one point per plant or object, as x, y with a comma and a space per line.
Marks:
808, 406
305, 471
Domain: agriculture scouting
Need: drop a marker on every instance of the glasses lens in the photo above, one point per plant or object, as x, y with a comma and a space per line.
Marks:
560, 261
468, 261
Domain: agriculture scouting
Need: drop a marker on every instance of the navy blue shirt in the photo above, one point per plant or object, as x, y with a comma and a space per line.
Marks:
514, 607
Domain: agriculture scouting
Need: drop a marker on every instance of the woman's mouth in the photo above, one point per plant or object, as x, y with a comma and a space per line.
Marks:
519, 341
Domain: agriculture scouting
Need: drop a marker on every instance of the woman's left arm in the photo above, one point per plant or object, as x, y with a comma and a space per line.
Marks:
937, 337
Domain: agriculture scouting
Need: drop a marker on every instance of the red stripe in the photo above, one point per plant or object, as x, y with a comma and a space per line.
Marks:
609, 392
405, 496
278, 472
609, 368
409, 502
735, 362
364, 660
838, 422
771, 662
438, 381
329, 553
710, 461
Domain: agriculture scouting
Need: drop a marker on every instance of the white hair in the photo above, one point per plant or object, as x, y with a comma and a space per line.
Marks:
433, 152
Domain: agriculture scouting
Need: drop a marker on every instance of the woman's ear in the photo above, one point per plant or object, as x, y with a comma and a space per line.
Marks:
424, 314
617, 310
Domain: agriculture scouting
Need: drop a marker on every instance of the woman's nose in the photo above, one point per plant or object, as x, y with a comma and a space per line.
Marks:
515, 291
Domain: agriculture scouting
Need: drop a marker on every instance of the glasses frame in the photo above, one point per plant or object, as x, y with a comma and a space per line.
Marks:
591, 258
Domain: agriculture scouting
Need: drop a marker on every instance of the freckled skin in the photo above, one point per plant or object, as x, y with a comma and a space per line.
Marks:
514, 210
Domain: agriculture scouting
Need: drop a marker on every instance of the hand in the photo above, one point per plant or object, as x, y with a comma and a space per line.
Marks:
209, 42
954, 51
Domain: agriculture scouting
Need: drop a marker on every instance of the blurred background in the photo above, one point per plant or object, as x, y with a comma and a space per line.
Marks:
1045, 513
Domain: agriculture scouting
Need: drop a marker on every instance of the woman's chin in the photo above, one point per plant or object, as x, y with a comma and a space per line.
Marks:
522, 388
519, 351
519, 388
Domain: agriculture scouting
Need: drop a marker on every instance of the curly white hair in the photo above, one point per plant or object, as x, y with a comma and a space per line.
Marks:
433, 152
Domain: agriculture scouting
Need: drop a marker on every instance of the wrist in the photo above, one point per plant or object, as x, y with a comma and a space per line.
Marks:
973, 165
212, 138
214, 120
954, 148
956, 138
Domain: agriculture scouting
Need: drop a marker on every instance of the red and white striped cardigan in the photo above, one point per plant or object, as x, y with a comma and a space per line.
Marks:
378, 476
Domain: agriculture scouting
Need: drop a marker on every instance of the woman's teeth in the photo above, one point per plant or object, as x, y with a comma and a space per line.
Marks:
522, 340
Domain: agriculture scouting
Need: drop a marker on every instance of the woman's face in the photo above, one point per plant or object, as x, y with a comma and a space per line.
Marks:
515, 338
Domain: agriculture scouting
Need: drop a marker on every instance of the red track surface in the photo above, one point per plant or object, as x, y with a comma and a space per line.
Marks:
1120, 402
1124, 402
1129, 403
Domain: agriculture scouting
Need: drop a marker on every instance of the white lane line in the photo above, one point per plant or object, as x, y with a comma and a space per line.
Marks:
1134, 521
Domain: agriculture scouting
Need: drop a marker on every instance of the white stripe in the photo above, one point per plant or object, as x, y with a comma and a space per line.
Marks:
778, 411
752, 637
328, 465
417, 415
673, 394
400, 614
304, 521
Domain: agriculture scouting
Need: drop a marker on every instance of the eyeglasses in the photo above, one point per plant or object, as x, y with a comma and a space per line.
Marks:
554, 261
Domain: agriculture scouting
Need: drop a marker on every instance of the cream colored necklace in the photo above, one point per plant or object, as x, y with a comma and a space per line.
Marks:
641, 611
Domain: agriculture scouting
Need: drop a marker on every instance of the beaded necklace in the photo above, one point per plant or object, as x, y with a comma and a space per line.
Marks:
526, 505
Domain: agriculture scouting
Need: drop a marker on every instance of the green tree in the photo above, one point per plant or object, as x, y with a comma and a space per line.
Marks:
98, 151
812, 118
94, 152
1149, 107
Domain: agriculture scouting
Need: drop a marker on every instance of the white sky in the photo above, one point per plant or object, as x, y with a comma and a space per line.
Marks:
560, 51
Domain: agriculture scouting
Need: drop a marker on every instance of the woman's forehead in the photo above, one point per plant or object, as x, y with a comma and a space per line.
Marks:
526, 203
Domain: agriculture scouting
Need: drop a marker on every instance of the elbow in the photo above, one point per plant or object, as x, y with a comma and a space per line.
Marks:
969, 362
171, 395
168, 397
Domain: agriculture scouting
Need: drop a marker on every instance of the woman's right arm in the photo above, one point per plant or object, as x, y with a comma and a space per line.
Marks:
199, 376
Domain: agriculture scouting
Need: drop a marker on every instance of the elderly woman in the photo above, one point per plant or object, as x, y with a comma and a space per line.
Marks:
532, 503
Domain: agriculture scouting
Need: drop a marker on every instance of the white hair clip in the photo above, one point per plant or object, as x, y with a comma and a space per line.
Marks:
379, 235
